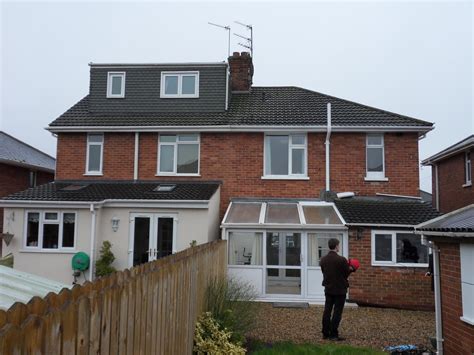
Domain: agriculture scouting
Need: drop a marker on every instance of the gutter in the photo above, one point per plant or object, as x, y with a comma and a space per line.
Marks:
135, 157
327, 143
380, 225
437, 292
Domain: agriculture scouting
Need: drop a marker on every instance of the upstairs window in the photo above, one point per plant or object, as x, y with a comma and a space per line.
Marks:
50, 230
285, 156
95, 148
179, 84
468, 168
375, 157
116, 85
178, 154
32, 179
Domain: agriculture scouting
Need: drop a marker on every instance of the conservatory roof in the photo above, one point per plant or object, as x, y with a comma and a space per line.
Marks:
282, 213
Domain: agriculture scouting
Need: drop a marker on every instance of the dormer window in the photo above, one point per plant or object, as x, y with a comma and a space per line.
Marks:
116, 85
179, 85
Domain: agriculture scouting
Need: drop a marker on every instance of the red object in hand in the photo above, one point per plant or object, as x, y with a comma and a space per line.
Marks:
354, 263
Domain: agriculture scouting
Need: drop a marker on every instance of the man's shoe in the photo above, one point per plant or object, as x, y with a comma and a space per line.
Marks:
337, 338
326, 337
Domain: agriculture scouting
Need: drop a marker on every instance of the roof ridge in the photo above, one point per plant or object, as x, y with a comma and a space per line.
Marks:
28, 145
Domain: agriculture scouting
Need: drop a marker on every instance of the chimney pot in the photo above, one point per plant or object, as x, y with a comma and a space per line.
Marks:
236, 54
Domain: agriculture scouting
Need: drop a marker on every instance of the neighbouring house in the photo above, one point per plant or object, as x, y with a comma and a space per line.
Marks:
451, 237
280, 170
21, 167
452, 172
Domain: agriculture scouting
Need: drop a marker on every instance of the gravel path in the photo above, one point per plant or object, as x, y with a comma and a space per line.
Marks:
371, 327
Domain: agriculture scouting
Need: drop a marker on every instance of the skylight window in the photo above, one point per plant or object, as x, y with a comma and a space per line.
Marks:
73, 187
116, 85
165, 188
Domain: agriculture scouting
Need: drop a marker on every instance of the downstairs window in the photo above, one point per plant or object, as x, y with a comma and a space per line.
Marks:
50, 230
397, 248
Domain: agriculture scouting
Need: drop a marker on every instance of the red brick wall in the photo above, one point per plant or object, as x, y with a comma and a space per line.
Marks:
237, 160
396, 287
451, 175
458, 335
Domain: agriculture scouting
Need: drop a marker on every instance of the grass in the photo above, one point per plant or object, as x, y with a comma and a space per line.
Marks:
310, 349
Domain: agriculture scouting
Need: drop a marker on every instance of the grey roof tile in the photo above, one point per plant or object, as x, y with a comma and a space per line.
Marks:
458, 221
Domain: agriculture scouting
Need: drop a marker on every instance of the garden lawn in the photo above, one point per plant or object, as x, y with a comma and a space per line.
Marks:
309, 349
375, 328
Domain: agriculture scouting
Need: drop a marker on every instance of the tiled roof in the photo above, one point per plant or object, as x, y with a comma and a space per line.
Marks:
97, 191
263, 106
385, 210
16, 152
459, 221
458, 147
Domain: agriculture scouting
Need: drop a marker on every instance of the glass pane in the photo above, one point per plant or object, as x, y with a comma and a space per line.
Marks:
245, 248
171, 85
410, 249
32, 230
284, 249
320, 215
166, 158
51, 216
95, 152
188, 158
383, 247
283, 281
50, 236
282, 213
277, 155
374, 139
188, 85
117, 84
141, 240
96, 138
298, 139
318, 246
297, 161
165, 237
69, 223
244, 213
375, 159
188, 137
167, 138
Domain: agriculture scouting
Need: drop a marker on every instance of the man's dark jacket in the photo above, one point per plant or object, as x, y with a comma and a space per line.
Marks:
335, 270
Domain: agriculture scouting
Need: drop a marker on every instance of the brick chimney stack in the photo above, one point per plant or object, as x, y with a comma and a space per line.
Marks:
241, 71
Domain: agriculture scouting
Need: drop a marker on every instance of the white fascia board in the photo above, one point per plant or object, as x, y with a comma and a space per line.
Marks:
446, 234
378, 225
232, 128
44, 204
284, 226
156, 65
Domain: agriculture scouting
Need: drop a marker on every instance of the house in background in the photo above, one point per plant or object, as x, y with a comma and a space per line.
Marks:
159, 155
452, 172
21, 167
452, 241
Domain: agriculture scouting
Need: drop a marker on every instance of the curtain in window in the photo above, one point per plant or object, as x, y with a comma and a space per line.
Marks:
257, 250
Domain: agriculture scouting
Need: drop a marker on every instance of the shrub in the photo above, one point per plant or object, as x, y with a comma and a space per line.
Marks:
210, 338
230, 302
103, 265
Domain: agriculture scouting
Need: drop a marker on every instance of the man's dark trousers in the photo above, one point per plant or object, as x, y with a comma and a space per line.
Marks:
331, 324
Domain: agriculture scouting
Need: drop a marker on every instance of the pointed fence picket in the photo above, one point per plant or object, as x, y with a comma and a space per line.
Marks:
149, 309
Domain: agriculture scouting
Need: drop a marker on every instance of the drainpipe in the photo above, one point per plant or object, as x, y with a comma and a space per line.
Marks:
227, 86
437, 292
327, 143
135, 162
93, 222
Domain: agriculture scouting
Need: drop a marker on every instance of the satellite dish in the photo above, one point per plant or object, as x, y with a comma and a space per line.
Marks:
80, 261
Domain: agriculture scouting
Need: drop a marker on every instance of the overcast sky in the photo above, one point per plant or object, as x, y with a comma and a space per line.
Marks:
413, 58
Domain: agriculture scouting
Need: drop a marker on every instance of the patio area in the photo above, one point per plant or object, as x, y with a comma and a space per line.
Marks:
371, 327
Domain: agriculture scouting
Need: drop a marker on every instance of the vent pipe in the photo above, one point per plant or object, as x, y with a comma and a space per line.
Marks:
327, 143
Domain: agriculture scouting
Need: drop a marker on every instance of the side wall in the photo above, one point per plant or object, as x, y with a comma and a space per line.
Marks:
458, 335
388, 286
451, 175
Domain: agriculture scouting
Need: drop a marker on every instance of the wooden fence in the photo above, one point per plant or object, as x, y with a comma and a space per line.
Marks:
149, 309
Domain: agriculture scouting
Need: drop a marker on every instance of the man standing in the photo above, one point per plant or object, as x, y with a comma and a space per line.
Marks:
335, 270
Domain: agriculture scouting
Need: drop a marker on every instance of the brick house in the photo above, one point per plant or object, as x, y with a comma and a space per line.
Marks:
279, 169
452, 172
451, 237
21, 167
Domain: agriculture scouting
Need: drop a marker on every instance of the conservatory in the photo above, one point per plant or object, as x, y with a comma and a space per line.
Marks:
276, 244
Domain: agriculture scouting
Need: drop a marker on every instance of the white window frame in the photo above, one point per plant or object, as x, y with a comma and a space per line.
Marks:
468, 169
180, 75
175, 157
374, 175
291, 146
393, 262
101, 144
110, 75
42, 222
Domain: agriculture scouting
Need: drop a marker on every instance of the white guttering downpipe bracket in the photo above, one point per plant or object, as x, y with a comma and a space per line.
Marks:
135, 160
327, 143
93, 223
437, 292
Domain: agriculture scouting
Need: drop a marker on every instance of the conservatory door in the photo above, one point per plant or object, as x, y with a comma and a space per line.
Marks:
283, 259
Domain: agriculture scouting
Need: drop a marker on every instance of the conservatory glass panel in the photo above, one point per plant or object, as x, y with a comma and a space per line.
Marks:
320, 215
282, 213
244, 213
245, 248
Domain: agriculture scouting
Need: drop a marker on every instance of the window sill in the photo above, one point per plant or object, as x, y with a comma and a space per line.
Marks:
179, 96
285, 177
47, 251
116, 97
467, 320
469, 184
189, 175
93, 174
375, 179
400, 265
